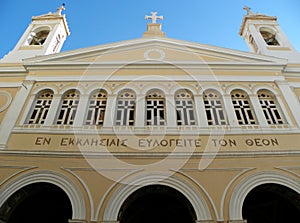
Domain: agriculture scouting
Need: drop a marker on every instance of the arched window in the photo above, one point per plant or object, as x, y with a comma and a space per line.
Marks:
185, 108
96, 108
269, 36
214, 108
68, 108
242, 107
270, 107
40, 107
39, 36
155, 108
125, 108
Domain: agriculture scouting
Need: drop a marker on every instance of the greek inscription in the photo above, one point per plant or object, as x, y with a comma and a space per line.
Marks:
259, 142
42, 141
151, 143
224, 142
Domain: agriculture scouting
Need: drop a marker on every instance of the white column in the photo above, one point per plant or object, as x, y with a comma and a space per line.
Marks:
291, 99
284, 111
14, 111
258, 110
53, 110
81, 110
200, 111
140, 110
232, 120
171, 112
110, 111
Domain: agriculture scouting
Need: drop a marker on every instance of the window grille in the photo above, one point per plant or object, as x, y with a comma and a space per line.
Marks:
40, 108
125, 109
185, 108
155, 108
68, 108
270, 109
243, 109
96, 108
214, 108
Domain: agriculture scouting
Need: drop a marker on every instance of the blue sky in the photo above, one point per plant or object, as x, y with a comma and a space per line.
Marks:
95, 22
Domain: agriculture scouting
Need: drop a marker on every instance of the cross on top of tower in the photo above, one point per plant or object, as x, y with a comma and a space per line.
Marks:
154, 17
60, 9
248, 9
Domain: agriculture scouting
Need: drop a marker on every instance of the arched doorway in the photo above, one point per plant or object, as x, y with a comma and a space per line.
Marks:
37, 202
271, 203
156, 203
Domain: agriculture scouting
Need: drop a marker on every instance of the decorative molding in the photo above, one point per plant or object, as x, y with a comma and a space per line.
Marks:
248, 183
63, 182
161, 53
8, 100
120, 195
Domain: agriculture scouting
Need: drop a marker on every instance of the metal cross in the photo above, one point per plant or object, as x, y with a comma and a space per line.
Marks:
248, 9
154, 17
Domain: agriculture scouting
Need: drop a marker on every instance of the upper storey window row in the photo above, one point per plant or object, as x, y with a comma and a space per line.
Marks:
124, 109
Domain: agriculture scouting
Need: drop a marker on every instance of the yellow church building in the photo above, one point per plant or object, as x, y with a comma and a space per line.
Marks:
150, 130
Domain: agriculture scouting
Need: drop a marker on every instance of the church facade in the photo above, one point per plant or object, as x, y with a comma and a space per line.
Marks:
152, 129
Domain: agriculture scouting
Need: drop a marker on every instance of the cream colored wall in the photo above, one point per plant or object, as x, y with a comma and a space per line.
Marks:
6, 97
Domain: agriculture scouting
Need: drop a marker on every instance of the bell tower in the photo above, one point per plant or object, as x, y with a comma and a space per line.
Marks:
263, 35
45, 35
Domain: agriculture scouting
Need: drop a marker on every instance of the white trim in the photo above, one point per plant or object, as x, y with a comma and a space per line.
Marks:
250, 182
85, 186
68, 186
10, 84
125, 190
142, 42
8, 100
147, 77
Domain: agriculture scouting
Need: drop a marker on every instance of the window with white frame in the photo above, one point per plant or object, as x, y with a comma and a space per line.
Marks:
270, 107
155, 108
214, 108
185, 108
125, 108
242, 107
40, 107
96, 108
68, 108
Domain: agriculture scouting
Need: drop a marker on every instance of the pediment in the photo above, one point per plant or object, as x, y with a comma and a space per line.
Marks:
155, 49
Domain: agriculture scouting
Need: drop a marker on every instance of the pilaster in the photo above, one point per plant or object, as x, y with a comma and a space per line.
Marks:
53, 110
258, 111
110, 111
200, 111
171, 111
14, 111
140, 111
291, 99
81, 110
230, 112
